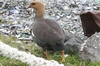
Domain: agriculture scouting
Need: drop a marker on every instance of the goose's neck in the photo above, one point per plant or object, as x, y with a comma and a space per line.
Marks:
39, 12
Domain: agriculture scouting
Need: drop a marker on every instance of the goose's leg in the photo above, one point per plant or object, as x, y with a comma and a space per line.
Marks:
62, 56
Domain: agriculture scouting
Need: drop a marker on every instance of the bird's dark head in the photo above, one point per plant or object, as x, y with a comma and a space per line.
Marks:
37, 5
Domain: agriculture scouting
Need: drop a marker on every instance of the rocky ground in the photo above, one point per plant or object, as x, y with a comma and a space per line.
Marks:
15, 19
66, 12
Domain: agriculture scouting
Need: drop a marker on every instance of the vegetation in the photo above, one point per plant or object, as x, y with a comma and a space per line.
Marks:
71, 60
10, 62
0, 20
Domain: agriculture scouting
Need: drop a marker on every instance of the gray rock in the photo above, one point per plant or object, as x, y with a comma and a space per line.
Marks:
1, 3
90, 49
72, 43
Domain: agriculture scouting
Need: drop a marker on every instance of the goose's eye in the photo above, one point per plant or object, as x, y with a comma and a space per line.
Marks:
33, 4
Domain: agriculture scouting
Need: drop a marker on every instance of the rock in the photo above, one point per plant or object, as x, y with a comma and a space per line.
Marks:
72, 43
18, 42
90, 49
25, 37
1, 3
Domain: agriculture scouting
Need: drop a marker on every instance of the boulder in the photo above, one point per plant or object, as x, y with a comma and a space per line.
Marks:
90, 49
73, 43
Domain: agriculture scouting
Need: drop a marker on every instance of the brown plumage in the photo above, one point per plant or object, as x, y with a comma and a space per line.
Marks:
48, 31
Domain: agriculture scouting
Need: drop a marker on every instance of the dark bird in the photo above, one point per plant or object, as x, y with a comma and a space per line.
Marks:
47, 31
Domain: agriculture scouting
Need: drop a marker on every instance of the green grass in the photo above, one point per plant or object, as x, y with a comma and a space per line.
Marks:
12, 42
23, 46
10, 62
0, 20
71, 60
